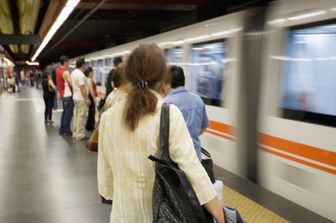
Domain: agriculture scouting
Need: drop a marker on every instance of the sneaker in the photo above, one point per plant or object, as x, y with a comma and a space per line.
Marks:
50, 121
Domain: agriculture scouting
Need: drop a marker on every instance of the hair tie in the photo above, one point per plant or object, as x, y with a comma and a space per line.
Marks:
143, 84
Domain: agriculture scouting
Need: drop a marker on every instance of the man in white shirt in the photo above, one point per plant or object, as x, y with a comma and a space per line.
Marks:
81, 100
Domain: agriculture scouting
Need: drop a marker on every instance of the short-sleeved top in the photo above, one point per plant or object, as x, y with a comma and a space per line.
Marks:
194, 113
126, 175
62, 84
78, 79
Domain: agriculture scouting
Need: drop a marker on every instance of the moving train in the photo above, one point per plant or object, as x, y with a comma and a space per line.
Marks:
268, 78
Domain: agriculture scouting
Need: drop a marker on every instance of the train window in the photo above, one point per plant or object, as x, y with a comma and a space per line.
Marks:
174, 56
108, 62
99, 72
309, 77
108, 66
93, 63
207, 69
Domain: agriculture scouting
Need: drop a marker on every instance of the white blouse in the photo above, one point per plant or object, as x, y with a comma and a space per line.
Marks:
126, 175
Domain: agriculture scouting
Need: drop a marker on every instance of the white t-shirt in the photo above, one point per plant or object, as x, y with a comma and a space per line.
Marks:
67, 90
78, 79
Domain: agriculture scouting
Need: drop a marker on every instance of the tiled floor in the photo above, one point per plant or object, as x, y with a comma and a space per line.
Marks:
47, 178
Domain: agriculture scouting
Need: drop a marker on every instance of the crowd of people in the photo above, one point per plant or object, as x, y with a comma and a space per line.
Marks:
129, 126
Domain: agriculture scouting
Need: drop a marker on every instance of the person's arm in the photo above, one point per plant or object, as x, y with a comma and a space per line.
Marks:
104, 171
84, 94
51, 84
216, 210
205, 121
182, 152
67, 78
90, 85
82, 86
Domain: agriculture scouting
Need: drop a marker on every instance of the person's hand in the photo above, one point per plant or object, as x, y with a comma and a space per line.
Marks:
88, 102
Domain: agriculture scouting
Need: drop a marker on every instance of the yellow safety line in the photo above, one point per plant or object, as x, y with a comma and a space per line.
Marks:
250, 211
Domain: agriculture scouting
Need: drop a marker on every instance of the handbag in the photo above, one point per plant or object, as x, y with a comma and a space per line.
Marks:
174, 199
92, 143
232, 215
207, 163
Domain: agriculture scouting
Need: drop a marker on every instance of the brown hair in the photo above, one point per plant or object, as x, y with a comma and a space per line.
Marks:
118, 77
145, 68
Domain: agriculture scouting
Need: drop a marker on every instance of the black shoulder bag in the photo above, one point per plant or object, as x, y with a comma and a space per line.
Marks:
174, 199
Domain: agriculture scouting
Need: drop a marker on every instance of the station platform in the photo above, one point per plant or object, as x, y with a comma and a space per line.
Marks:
48, 178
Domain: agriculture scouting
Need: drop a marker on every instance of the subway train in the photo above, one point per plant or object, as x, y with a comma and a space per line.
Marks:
268, 78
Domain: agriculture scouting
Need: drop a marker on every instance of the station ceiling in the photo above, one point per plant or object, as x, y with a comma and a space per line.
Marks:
98, 24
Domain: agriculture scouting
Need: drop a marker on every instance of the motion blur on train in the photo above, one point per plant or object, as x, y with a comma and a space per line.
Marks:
268, 78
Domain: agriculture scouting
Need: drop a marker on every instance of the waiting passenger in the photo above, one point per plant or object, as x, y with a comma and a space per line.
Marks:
108, 85
91, 122
64, 85
120, 86
129, 133
190, 104
81, 100
48, 87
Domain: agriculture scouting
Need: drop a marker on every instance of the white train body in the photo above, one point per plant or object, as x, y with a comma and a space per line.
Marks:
296, 160
299, 162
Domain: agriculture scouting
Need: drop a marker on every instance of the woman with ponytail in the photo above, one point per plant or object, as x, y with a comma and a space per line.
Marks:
129, 133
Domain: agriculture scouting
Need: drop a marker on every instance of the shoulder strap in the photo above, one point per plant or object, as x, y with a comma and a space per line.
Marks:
164, 133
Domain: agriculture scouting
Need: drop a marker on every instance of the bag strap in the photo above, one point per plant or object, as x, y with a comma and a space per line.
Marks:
205, 152
164, 133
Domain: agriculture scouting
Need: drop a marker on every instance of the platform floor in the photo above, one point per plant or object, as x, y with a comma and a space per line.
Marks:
47, 178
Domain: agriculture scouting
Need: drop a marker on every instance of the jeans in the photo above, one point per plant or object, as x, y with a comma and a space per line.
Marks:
66, 115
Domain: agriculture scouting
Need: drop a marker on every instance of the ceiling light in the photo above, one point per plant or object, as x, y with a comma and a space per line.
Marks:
276, 21
307, 15
226, 32
333, 9
210, 24
32, 63
66, 11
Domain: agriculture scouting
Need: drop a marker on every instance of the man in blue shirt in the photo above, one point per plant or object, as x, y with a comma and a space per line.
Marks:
190, 104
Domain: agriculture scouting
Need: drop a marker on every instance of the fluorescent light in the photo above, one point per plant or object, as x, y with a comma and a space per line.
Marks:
66, 11
201, 37
280, 58
276, 21
321, 59
210, 24
226, 32
301, 59
333, 9
32, 63
307, 15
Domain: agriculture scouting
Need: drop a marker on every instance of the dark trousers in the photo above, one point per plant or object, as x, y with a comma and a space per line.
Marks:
48, 101
67, 113
90, 124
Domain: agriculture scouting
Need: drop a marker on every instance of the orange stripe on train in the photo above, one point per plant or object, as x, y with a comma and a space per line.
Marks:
221, 127
307, 163
310, 152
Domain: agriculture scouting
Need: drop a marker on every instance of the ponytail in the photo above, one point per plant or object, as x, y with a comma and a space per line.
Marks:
140, 102
145, 68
